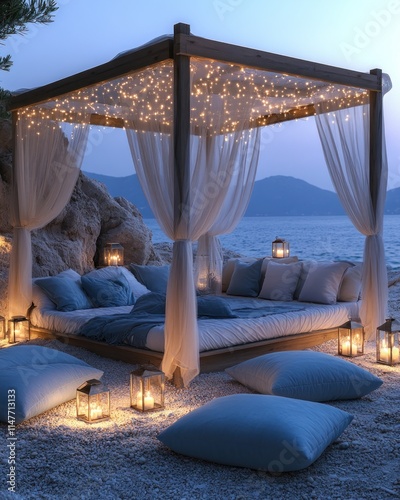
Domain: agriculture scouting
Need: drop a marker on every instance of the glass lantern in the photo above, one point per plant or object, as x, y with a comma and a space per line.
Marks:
113, 254
92, 402
351, 339
280, 248
19, 329
147, 385
387, 342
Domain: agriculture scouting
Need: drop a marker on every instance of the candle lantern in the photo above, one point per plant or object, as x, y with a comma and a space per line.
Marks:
3, 329
113, 254
19, 329
351, 339
147, 385
280, 248
387, 342
92, 402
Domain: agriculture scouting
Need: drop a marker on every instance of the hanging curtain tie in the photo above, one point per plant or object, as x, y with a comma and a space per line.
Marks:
183, 240
21, 227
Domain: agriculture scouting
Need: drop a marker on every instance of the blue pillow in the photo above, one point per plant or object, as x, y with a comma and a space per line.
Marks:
37, 378
245, 279
150, 303
309, 375
66, 293
214, 307
108, 293
155, 278
260, 432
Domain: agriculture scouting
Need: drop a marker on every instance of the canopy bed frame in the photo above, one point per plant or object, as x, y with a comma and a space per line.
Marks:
191, 79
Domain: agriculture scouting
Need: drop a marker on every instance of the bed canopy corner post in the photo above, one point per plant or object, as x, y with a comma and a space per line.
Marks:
181, 359
374, 307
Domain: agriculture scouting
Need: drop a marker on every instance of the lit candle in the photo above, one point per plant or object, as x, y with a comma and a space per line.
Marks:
346, 348
148, 401
385, 354
279, 252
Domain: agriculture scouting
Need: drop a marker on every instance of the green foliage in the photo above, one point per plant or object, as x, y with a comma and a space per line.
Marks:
16, 14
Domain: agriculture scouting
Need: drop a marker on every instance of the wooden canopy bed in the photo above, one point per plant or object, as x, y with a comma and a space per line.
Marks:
177, 70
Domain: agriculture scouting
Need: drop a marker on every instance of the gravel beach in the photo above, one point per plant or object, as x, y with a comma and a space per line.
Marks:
59, 457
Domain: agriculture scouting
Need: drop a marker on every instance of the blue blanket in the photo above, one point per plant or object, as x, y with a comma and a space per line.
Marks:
149, 311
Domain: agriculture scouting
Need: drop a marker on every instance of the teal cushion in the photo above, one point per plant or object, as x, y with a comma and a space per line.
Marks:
65, 292
155, 278
39, 378
309, 375
211, 306
245, 279
260, 432
108, 293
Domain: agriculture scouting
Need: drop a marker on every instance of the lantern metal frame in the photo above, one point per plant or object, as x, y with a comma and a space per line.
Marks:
388, 343
92, 397
351, 336
15, 322
147, 388
113, 254
3, 326
280, 248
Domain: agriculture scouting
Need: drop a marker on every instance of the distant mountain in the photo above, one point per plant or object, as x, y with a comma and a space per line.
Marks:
276, 195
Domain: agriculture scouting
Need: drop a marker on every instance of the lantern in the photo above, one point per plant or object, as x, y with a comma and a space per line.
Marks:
92, 402
19, 329
351, 339
147, 386
280, 248
114, 254
3, 330
387, 342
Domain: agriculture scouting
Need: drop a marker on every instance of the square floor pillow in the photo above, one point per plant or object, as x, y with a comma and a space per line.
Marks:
268, 433
37, 379
309, 375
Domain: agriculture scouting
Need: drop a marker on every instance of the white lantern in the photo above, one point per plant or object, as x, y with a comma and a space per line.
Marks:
280, 248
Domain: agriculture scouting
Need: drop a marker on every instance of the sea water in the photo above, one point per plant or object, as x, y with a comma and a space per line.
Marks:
310, 237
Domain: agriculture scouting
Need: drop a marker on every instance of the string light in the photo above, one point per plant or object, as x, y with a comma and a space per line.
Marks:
223, 97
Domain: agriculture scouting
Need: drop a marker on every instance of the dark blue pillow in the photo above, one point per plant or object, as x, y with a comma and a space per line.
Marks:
155, 278
66, 293
150, 303
246, 279
107, 293
214, 307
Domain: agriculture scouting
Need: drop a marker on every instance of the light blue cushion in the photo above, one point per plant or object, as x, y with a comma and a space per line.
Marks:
260, 432
114, 273
245, 279
65, 292
309, 375
40, 378
323, 282
108, 293
155, 278
280, 281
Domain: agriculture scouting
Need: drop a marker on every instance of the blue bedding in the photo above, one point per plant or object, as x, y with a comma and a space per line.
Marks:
149, 311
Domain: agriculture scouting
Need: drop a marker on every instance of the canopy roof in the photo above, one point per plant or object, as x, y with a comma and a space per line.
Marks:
136, 89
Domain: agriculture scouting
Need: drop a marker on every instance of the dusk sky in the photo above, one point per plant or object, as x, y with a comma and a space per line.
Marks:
357, 34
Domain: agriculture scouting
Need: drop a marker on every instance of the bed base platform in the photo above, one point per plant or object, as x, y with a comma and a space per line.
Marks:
210, 361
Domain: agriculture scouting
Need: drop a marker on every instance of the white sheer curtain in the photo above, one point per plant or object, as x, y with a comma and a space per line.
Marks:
46, 167
345, 138
240, 154
214, 175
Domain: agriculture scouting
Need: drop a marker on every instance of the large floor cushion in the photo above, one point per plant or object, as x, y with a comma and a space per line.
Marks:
37, 378
268, 433
310, 375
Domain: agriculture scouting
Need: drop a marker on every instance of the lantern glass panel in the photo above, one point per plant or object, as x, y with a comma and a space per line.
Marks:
147, 385
113, 254
280, 248
92, 402
19, 329
387, 343
351, 339
3, 329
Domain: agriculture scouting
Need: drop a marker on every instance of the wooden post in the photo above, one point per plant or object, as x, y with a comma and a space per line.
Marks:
375, 139
181, 127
